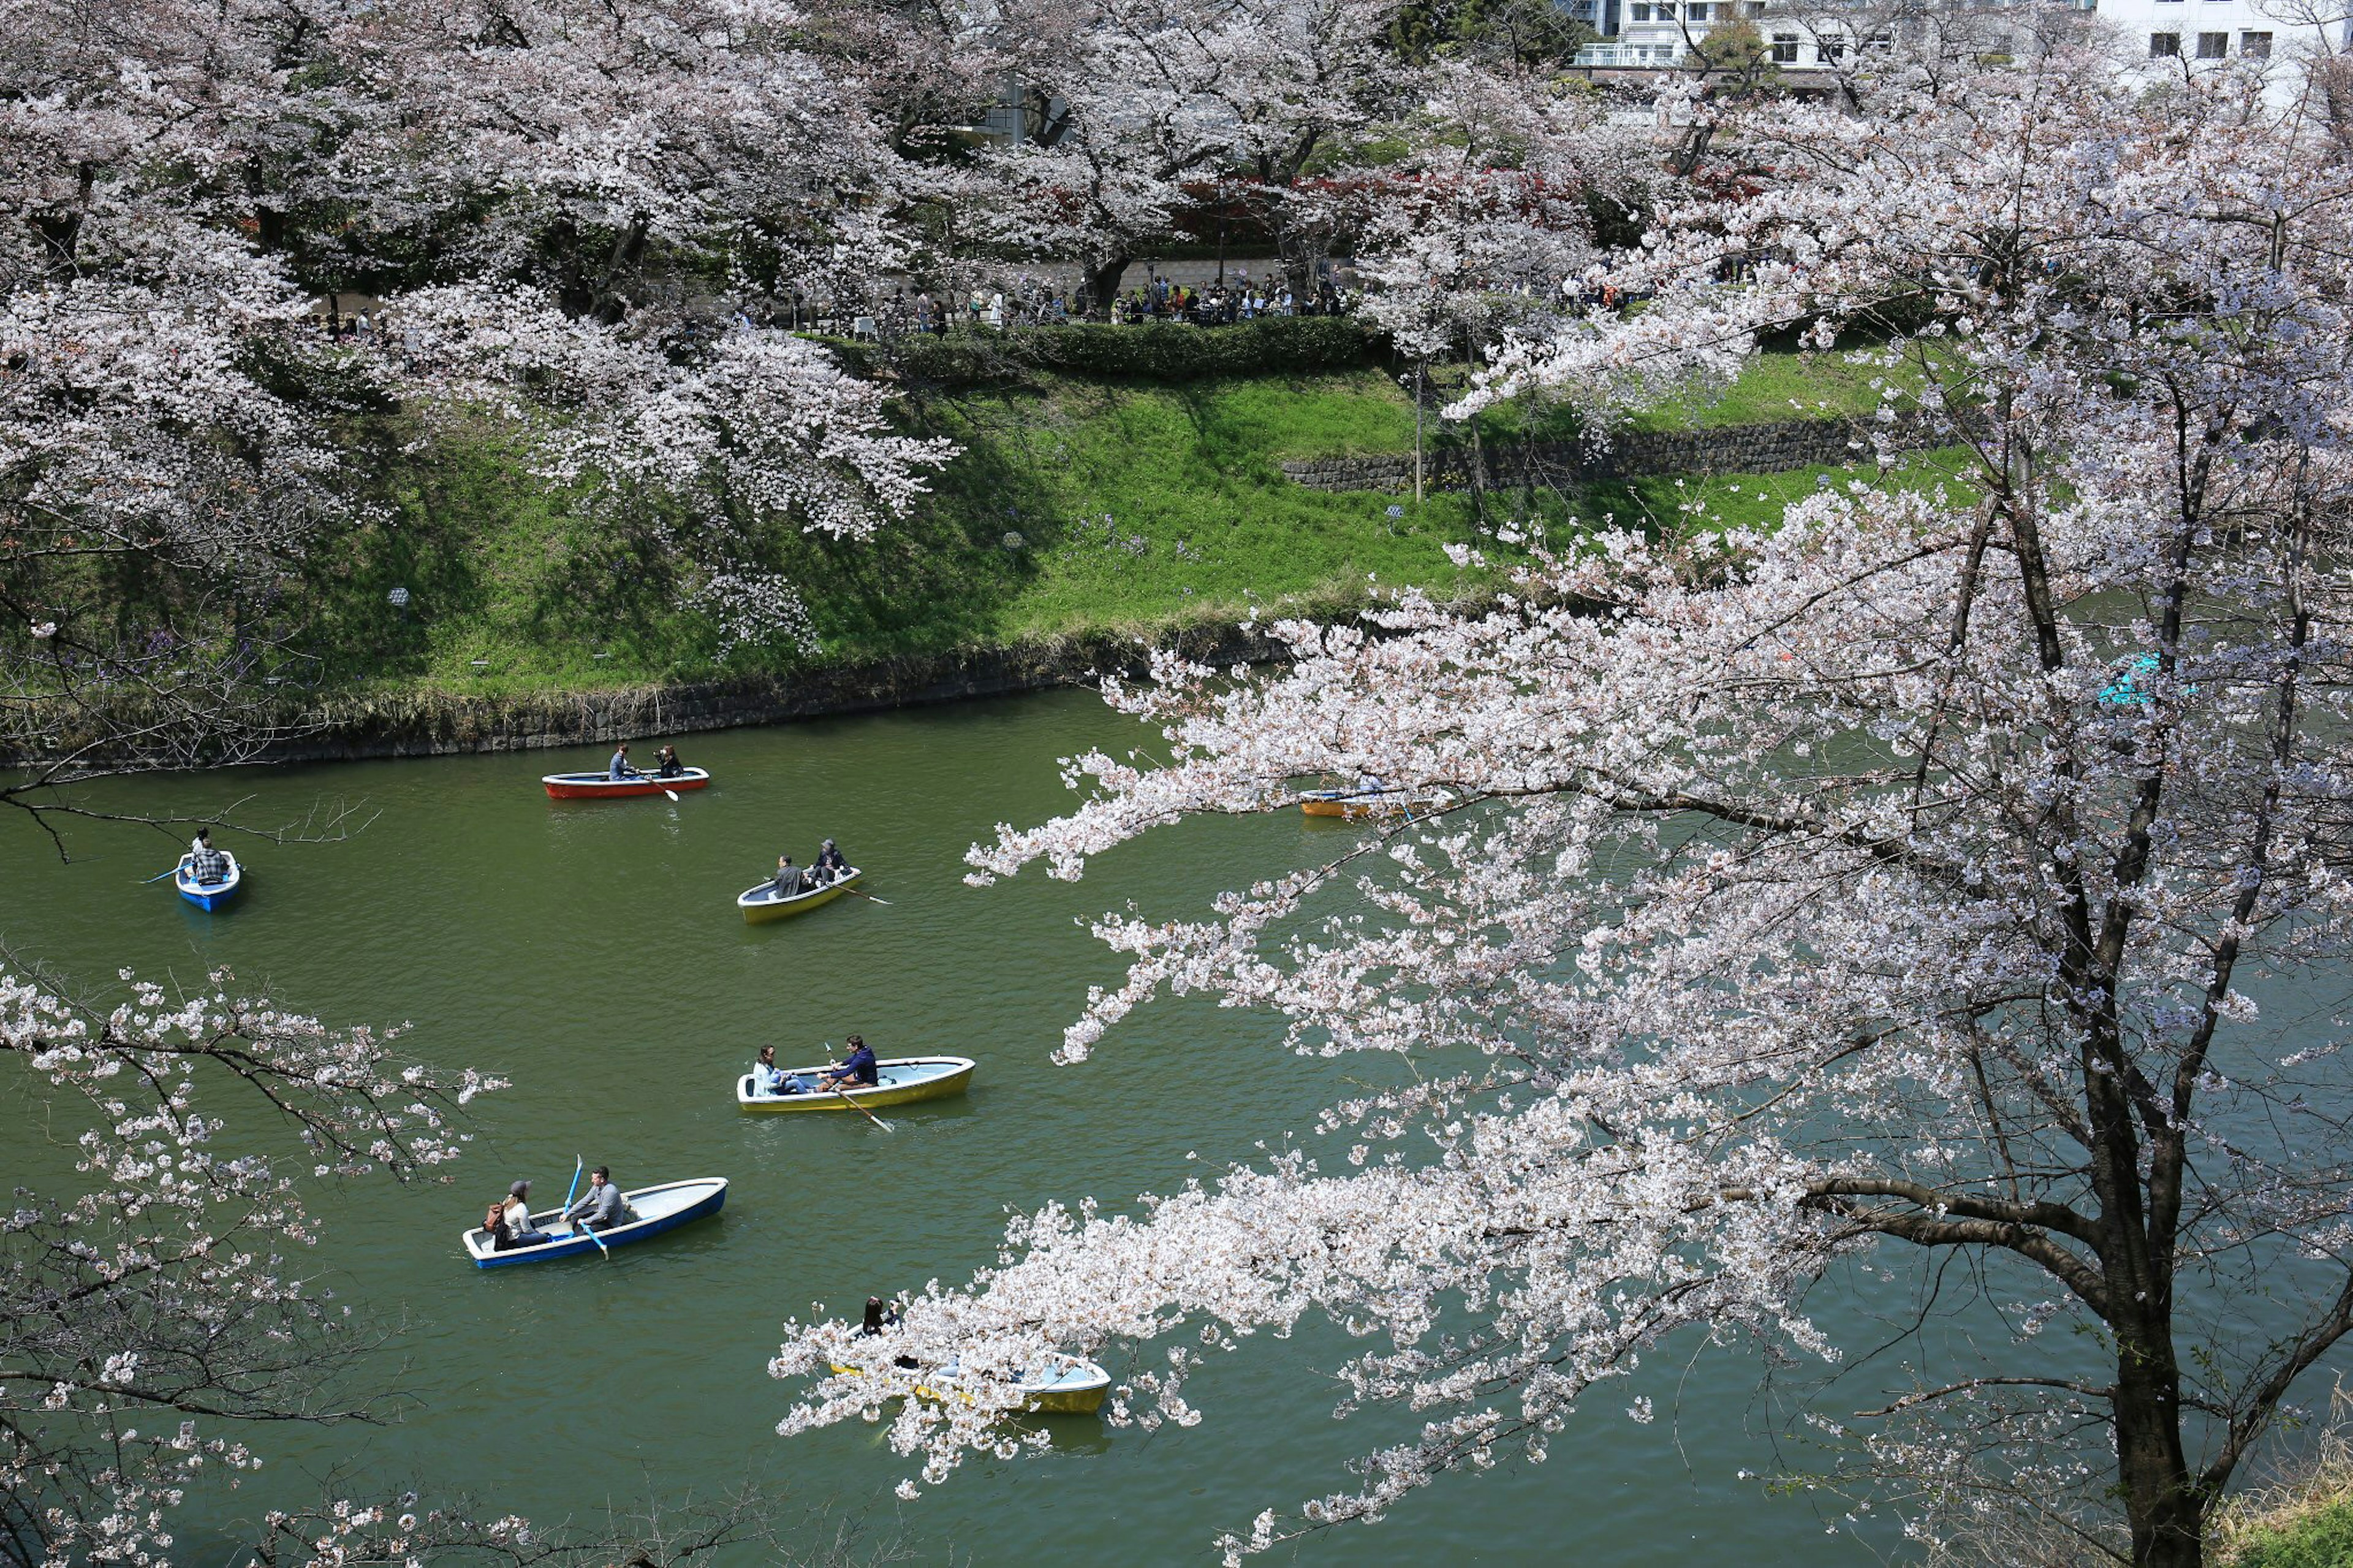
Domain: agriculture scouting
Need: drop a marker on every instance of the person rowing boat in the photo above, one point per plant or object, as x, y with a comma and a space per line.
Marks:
830, 867
619, 768
207, 866
857, 1070
601, 1207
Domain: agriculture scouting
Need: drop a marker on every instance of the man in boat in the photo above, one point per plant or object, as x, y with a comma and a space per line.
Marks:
830, 867
666, 763
207, 865
767, 1077
601, 1207
791, 881
521, 1232
620, 769
857, 1070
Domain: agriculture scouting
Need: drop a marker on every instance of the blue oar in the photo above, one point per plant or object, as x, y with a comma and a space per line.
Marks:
161, 875
581, 1225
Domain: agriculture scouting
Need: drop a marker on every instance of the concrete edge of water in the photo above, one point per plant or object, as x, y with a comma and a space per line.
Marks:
442, 724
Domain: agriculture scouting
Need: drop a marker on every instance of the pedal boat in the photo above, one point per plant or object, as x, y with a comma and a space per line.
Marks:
598, 787
1358, 804
658, 1209
761, 905
904, 1080
208, 896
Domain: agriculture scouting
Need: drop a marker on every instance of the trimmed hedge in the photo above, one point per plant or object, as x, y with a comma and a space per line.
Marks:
1160, 351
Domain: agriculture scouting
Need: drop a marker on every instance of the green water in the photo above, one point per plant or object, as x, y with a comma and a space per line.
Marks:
591, 952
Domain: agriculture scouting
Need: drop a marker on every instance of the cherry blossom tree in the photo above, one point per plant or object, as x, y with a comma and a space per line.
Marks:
157, 1308
608, 187
1148, 95
1930, 875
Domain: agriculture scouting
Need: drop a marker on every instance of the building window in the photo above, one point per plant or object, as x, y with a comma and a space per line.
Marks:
1756, 7
1696, 11
2164, 46
2256, 45
1831, 50
1785, 49
2213, 45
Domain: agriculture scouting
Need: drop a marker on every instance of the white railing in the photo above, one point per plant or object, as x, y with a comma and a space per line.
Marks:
1654, 55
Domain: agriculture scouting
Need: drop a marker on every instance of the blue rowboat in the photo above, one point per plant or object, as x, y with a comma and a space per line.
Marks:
208, 896
657, 1209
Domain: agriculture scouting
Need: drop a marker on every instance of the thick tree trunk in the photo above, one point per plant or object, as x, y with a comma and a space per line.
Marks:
2162, 1504
1102, 280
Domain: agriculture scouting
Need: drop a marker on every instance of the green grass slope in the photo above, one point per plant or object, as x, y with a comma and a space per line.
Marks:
1137, 507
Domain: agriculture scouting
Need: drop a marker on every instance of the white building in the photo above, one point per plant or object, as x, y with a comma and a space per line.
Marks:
1807, 35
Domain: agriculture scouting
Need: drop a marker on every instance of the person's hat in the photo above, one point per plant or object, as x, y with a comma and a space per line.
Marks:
519, 1189
826, 845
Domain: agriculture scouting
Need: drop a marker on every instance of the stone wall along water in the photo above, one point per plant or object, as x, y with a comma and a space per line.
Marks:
1630, 454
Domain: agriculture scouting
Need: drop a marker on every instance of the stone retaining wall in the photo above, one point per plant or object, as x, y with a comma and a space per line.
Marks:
438, 724
1732, 449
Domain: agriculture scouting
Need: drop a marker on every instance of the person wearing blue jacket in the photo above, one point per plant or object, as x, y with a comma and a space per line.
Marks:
857, 1067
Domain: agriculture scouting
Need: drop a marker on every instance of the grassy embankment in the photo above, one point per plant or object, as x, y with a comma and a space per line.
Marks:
1140, 507
2306, 1520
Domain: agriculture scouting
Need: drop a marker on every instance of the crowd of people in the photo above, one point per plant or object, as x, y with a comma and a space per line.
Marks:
1034, 303
1023, 301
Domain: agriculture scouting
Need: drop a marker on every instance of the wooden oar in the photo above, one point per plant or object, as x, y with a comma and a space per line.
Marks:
861, 1110
864, 894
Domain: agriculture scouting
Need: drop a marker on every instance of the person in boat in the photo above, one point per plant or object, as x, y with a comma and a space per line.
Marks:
619, 768
207, 865
767, 1077
521, 1232
858, 1069
666, 763
880, 1316
830, 867
791, 881
601, 1207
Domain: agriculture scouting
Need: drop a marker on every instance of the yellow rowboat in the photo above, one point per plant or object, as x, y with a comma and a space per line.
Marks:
1061, 1385
1357, 804
904, 1080
760, 904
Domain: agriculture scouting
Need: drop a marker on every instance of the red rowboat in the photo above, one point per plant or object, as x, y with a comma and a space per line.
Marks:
597, 786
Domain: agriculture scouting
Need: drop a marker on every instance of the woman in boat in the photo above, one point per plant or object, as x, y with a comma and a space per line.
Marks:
667, 763
767, 1077
830, 867
520, 1232
857, 1068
